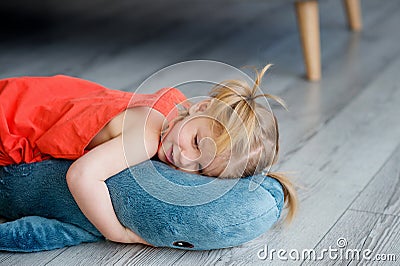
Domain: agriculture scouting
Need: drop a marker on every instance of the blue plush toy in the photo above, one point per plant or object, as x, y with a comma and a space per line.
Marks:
166, 207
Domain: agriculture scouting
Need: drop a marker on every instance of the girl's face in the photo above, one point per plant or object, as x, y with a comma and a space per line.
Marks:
189, 146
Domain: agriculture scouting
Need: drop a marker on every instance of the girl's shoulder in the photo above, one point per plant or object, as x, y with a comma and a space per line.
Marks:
133, 119
165, 101
144, 117
142, 123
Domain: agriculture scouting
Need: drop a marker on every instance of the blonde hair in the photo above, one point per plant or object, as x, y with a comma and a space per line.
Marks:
241, 126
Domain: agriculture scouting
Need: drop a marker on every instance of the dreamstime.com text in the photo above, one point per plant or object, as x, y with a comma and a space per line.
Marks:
340, 252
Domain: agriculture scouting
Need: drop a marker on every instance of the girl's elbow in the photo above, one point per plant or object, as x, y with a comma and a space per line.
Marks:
74, 175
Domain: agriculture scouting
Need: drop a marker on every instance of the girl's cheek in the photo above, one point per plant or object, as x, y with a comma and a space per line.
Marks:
182, 139
167, 136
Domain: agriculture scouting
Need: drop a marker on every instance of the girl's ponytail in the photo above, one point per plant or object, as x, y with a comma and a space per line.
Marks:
289, 193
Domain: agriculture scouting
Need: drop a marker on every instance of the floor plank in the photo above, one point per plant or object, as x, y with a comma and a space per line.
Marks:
88, 254
28, 259
119, 63
378, 233
382, 194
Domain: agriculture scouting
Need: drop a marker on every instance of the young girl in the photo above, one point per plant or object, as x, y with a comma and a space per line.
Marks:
229, 135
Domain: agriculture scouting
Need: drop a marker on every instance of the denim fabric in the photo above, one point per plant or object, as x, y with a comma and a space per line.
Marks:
166, 207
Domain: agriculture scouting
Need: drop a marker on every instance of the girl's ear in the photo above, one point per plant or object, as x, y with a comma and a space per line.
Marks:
199, 107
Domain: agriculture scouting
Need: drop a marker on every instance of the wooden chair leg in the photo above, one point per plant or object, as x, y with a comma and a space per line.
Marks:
308, 21
353, 12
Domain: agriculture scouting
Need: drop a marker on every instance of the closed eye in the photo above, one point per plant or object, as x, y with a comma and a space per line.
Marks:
196, 142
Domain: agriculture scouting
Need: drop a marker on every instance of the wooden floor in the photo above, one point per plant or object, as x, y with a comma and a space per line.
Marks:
340, 139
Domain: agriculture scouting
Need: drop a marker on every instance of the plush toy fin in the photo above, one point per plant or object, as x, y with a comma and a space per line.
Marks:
35, 233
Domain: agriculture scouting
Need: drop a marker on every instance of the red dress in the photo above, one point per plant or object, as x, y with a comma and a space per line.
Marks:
57, 117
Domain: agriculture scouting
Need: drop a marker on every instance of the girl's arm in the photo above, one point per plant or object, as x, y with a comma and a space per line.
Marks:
86, 176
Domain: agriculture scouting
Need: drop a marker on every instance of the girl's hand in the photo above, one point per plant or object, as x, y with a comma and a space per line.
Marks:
132, 237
